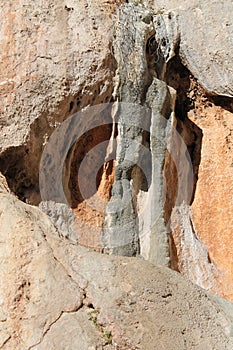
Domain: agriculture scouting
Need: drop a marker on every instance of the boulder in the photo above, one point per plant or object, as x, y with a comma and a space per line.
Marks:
56, 295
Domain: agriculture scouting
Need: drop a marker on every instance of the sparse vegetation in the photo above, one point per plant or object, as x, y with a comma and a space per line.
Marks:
107, 335
93, 316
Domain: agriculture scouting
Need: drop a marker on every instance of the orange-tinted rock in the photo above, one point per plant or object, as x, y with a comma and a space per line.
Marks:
213, 203
201, 241
90, 182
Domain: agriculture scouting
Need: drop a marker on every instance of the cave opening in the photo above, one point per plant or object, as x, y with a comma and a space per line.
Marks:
84, 148
88, 176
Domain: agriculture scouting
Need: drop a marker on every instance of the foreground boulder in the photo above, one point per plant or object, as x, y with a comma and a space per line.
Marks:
57, 295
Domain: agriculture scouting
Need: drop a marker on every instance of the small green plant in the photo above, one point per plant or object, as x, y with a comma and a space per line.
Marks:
137, 2
108, 337
93, 315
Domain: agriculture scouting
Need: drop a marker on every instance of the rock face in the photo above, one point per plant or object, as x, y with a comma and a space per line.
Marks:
213, 202
136, 152
205, 40
193, 249
202, 117
155, 163
50, 68
102, 304
210, 57
3, 184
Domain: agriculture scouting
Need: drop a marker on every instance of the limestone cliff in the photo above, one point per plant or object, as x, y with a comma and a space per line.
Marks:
116, 119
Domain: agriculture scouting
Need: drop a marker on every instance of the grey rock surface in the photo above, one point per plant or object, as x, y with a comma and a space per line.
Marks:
144, 44
206, 44
205, 30
61, 216
136, 86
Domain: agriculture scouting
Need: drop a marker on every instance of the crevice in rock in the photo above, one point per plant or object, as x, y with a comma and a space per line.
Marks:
193, 104
222, 101
179, 77
171, 187
53, 323
176, 75
174, 259
5, 342
155, 58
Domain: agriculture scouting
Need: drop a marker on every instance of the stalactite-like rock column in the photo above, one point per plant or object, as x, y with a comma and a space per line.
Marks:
134, 219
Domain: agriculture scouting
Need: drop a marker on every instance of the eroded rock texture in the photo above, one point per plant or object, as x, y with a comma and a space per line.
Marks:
205, 40
55, 59
192, 248
125, 232
213, 203
147, 175
206, 124
164, 174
